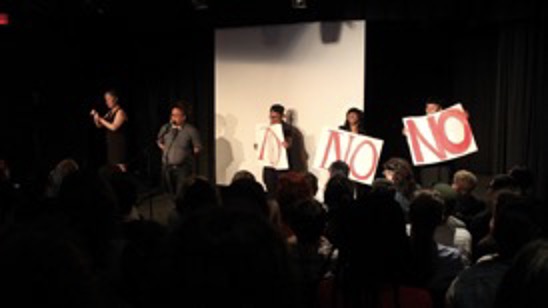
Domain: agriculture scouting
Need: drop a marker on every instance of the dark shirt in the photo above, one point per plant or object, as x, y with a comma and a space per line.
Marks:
477, 286
116, 141
179, 144
467, 207
479, 229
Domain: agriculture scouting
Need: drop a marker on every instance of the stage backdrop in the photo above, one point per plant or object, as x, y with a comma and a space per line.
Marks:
316, 70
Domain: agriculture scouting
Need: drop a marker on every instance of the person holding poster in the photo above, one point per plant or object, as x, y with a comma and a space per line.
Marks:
270, 174
439, 173
354, 124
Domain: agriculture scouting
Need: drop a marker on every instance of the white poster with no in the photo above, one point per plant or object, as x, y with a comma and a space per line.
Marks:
360, 152
270, 146
440, 136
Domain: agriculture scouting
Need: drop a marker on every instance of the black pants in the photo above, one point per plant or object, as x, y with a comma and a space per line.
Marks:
173, 177
271, 177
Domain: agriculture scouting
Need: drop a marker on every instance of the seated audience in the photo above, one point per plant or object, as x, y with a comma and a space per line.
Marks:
467, 205
374, 268
311, 253
513, 227
452, 231
435, 265
227, 258
400, 173
479, 225
525, 283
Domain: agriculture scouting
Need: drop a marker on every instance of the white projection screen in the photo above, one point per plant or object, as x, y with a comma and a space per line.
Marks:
316, 70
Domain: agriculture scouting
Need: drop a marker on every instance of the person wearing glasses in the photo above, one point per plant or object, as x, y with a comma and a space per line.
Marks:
180, 143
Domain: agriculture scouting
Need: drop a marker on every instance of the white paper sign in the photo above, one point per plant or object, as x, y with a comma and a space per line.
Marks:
270, 149
360, 152
440, 136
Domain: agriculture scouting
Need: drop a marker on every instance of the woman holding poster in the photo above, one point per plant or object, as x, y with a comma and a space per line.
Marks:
354, 123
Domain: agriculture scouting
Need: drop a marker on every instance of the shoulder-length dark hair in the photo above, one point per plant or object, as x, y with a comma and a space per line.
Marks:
404, 180
346, 125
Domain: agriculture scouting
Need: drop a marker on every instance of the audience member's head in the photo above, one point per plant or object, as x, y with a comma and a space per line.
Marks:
229, 258
523, 178
499, 183
312, 181
339, 193
246, 195
425, 213
513, 223
526, 282
399, 171
195, 194
293, 187
243, 174
308, 221
502, 181
384, 186
339, 167
464, 182
449, 197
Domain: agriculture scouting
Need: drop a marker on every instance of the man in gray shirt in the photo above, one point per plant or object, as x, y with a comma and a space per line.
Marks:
179, 142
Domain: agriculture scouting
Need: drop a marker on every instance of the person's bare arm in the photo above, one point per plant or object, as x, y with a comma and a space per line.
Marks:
119, 120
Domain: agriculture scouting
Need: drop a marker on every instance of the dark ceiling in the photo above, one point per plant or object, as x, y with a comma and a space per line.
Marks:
163, 15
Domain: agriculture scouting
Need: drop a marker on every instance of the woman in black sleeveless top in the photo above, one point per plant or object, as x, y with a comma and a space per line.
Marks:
114, 123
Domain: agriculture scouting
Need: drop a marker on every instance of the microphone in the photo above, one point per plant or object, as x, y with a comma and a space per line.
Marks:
167, 130
175, 132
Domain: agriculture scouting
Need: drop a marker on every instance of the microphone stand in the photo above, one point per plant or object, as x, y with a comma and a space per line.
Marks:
147, 152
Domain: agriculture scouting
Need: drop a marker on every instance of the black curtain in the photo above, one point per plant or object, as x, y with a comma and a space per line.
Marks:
496, 69
52, 77
521, 100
